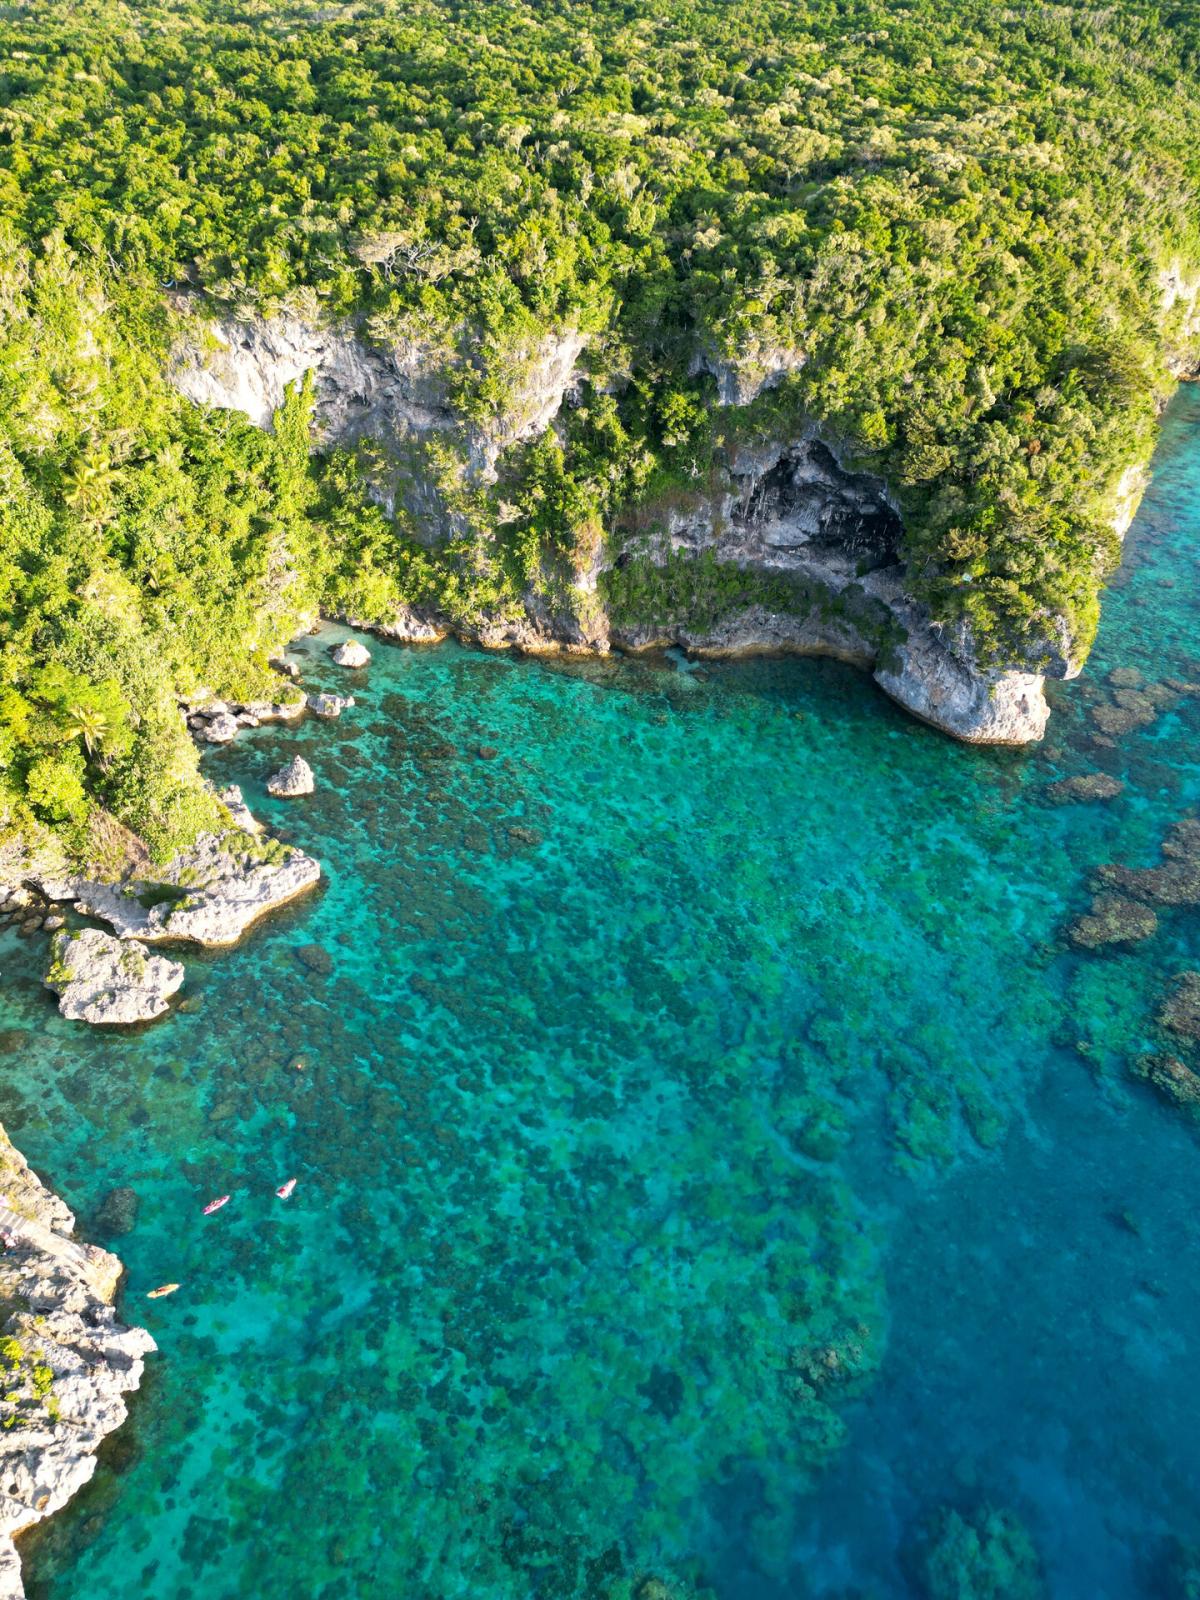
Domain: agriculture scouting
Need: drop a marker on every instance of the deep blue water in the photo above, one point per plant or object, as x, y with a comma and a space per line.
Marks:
712, 1157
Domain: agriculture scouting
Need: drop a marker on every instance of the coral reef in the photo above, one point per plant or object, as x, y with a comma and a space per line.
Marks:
985, 1554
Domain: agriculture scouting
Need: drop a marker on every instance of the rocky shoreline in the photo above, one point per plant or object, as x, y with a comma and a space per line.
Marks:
69, 1362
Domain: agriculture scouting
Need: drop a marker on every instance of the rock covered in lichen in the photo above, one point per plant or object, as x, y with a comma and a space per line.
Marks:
295, 778
68, 1363
102, 979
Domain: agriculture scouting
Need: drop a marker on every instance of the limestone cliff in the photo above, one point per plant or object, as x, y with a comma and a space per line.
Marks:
398, 393
68, 1362
788, 511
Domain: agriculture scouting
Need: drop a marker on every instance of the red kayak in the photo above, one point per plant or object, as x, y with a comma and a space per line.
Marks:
215, 1205
285, 1189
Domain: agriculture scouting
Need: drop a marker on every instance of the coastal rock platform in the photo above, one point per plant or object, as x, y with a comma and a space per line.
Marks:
208, 895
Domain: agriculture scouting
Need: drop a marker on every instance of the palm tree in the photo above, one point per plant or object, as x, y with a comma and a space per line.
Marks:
89, 723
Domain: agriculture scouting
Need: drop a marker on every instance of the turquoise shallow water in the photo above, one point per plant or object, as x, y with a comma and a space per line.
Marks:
711, 1156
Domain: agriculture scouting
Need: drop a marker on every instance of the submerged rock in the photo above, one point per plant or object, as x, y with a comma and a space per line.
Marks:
1130, 709
316, 958
118, 1211
1176, 882
985, 1555
102, 979
1113, 920
69, 1361
350, 653
296, 778
1171, 1077
329, 705
1086, 786
1126, 678
1180, 1012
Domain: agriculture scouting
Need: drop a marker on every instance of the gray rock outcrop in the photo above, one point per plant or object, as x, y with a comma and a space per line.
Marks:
220, 729
243, 818
70, 1363
329, 706
407, 627
296, 778
350, 653
933, 674
102, 979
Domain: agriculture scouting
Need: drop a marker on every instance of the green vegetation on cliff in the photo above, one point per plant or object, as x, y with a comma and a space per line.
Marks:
953, 232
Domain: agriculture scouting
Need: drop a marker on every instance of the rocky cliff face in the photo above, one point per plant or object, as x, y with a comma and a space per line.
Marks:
787, 509
398, 395
68, 1362
794, 509
1180, 310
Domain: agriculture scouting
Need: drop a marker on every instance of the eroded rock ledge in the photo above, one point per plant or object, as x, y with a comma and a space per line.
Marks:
208, 895
69, 1362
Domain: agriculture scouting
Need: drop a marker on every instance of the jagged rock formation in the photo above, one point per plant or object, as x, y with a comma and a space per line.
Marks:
69, 1362
217, 722
789, 509
101, 979
239, 811
1180, 309
794, 510
295, 778
756, 370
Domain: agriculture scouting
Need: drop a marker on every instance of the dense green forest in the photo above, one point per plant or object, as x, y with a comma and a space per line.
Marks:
955, 214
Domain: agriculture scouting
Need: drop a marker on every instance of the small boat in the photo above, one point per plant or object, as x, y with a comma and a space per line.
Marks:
284, 1190
163, 1288
215, 1205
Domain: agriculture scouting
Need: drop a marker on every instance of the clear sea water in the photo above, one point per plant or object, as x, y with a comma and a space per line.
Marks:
711, 1156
